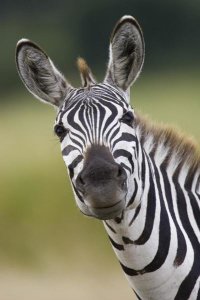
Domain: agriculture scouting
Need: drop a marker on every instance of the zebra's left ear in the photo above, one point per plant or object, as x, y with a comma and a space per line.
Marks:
126, 53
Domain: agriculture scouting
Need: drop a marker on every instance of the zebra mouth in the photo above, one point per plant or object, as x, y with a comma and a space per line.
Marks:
108, 212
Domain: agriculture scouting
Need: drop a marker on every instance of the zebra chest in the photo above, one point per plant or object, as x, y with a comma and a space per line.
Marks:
146, 277
151, 273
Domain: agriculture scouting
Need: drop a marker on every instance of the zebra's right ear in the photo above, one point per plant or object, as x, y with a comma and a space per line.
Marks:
126, 53
39, 74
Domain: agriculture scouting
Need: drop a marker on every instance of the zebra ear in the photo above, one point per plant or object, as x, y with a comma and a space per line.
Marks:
39, 74
126, 53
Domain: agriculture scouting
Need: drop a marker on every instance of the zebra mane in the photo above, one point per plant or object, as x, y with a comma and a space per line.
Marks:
185, 150
87, 78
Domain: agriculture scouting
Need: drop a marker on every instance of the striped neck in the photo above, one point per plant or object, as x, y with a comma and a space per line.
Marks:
151, 241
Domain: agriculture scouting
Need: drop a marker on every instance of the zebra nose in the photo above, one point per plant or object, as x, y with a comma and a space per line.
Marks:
121, 174
100, 174
80, 183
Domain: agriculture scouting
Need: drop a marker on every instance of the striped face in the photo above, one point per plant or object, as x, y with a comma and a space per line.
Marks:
95, 124
96, 130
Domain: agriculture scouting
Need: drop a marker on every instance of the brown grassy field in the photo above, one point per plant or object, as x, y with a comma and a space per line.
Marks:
86, 283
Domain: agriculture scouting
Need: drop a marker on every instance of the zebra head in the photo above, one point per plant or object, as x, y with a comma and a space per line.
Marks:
95, 123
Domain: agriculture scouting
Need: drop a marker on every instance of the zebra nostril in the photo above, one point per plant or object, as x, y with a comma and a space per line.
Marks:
121, 176
121, 172
80, 183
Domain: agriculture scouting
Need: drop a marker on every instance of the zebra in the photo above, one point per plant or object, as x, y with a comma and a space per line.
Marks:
141, 179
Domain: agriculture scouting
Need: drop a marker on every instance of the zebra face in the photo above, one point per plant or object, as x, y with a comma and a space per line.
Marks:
95, 123
96, 130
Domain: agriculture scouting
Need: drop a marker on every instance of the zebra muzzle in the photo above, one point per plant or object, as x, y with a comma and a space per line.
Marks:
102, 183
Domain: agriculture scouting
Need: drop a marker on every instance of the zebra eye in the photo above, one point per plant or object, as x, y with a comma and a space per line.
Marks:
128, 118
60, 130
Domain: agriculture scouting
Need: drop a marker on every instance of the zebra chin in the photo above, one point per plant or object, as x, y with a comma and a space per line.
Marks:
110, 210
107, 213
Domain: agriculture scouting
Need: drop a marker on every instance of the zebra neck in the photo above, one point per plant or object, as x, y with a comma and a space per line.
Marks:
158, 241
150, 241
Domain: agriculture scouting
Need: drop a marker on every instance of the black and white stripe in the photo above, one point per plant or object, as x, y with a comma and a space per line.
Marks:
159, 242
156, 235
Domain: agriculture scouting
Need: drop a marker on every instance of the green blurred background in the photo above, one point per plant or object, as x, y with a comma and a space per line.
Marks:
48, 250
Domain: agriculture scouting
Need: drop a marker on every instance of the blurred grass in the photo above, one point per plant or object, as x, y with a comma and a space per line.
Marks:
38, 217
172, 98
37, 211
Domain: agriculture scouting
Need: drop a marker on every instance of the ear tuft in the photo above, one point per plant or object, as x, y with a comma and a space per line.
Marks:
82, 66
85, 73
